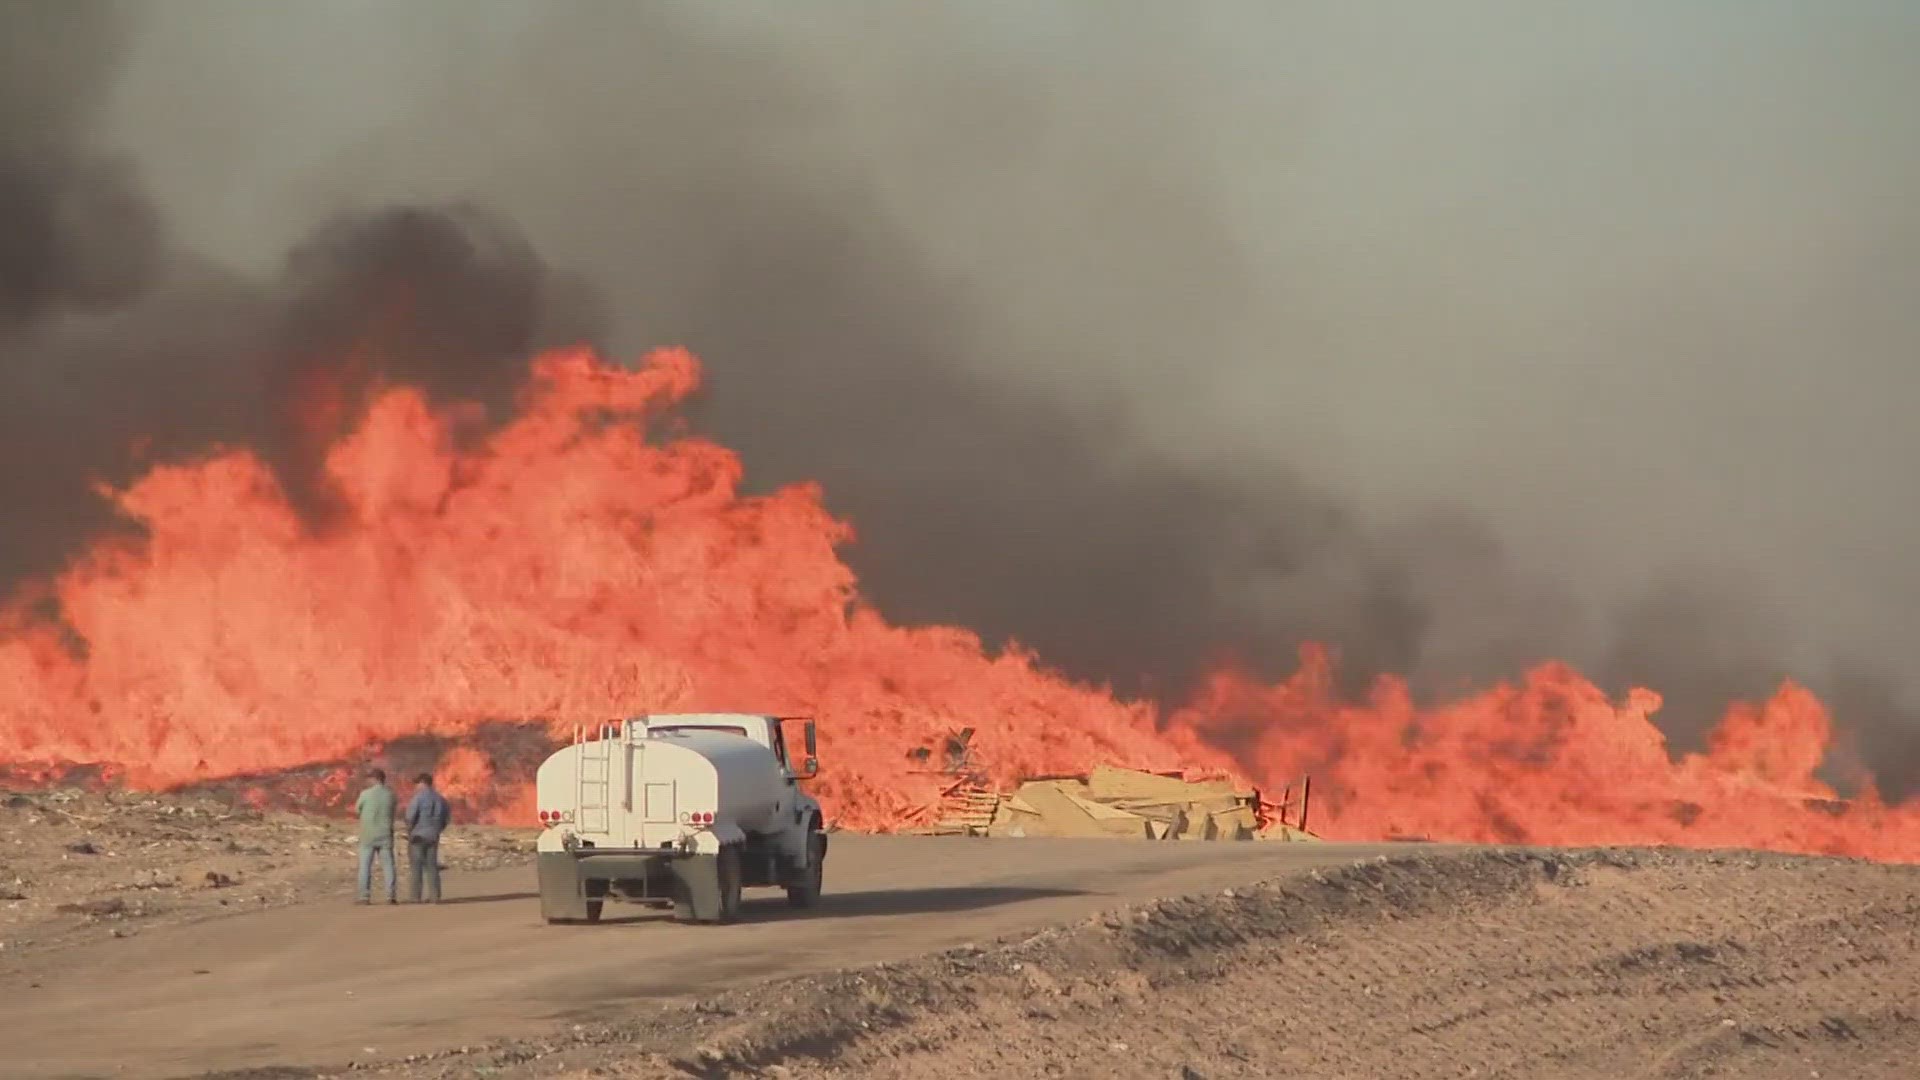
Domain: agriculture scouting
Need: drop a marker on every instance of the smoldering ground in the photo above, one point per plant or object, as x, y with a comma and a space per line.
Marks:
1146, 337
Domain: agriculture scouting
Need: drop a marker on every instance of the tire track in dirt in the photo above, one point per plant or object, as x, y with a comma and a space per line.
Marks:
1490, 964
316, 985
1420, 963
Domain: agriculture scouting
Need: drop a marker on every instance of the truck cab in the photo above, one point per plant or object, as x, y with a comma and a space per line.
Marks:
684, 809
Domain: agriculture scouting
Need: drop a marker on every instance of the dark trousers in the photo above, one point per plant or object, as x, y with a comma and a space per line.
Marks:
423, 857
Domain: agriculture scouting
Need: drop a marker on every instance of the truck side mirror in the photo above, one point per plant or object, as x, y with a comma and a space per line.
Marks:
811, 751
809, 768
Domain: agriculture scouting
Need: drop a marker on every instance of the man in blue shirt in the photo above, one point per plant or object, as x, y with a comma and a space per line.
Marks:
428, 815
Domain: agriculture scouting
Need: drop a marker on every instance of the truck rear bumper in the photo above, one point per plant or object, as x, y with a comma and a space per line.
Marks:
573, 885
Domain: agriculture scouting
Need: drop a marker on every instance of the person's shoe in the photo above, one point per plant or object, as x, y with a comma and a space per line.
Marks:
393, 899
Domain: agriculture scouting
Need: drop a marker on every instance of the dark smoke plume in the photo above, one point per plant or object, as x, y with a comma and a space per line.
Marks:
836, 355
452, 301
695, 169
112, 342
75, 231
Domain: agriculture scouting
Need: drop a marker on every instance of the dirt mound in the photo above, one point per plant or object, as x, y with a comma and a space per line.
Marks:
1496, 963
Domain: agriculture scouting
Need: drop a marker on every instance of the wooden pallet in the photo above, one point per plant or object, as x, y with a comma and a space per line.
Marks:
964, 810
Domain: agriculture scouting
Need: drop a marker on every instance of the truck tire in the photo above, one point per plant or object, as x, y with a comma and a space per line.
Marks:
731, 884
587, 911
807, 893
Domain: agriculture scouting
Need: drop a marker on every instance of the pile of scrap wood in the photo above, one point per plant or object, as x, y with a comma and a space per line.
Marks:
1122, 802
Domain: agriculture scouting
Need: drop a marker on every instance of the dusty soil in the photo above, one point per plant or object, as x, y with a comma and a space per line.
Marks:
324, 983
1492, 964
946, 958
78, 865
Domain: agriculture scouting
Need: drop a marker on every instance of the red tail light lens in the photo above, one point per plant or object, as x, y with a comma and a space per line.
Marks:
706, 818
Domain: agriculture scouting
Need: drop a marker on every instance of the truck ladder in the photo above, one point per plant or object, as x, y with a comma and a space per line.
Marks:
592, 775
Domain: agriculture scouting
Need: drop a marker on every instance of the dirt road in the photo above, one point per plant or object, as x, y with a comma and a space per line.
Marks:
1591, 965
325, 983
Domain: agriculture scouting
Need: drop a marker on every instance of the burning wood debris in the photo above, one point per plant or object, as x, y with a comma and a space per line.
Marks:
1116, 802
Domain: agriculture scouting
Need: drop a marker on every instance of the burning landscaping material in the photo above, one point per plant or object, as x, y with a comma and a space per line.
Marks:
1126, 803
573, 564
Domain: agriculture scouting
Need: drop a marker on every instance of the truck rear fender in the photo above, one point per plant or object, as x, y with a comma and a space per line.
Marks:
709, 840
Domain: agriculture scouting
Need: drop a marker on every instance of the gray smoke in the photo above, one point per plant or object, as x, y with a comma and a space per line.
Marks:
1145, 336
77, 231
113, 340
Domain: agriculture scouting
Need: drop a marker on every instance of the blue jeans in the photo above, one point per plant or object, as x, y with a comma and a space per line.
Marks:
423, 858
385, 848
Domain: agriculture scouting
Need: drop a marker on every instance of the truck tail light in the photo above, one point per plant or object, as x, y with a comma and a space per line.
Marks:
698, 817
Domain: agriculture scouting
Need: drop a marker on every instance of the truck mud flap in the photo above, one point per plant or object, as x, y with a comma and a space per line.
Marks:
563, 889
708, 888
697, 897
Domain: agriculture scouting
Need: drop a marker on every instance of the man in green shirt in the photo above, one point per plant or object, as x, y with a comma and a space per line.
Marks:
375, 807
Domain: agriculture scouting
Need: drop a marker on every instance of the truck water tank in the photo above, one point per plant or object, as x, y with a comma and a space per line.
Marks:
742, 782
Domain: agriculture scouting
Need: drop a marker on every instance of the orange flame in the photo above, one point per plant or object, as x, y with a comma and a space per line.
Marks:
568, 570
1551, 761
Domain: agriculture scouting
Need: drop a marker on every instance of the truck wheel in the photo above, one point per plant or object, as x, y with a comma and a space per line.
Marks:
807, 893
587, 911
730, 884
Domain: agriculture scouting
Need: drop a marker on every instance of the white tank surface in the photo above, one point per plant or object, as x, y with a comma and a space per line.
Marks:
737, 779
695, 780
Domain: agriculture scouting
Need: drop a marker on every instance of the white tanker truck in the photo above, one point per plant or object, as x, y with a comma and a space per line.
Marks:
684, 810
